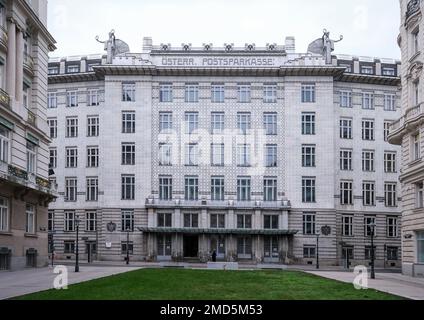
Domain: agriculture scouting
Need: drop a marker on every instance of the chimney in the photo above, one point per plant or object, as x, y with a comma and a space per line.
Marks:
147, 44
290, 45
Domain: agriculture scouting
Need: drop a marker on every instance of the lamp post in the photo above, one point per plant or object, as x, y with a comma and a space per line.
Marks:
318, 234
372, 225
128, 246
77, 222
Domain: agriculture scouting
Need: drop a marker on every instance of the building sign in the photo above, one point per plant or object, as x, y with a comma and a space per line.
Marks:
219, 61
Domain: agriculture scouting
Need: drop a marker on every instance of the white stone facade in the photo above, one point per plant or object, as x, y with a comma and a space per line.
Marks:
190, 76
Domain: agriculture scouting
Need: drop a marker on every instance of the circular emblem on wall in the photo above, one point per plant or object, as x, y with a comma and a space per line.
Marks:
326, 230
111, 227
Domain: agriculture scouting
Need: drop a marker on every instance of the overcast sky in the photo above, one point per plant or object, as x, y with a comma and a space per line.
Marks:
369, 27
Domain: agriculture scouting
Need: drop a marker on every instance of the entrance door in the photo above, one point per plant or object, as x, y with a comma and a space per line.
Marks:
244, 248
347, 256
271, 249
218, 244
164, 247
191, 246
91, 251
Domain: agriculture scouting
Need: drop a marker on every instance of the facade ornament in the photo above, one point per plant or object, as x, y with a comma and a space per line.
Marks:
207, 46
186, 46
165, 46
110, 46
250, 47
228, 47
328, 45
271, 46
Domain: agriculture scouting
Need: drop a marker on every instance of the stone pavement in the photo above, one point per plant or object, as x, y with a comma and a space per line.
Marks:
393, 283
18, 283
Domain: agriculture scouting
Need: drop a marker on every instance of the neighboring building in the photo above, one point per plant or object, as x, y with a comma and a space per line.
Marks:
408, 132
246, 151
25, 190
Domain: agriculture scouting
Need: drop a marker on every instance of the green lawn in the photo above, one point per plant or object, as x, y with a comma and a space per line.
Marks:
182, 284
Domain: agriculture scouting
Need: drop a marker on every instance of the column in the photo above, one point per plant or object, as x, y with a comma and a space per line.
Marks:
11, 60
285, 221
19, 67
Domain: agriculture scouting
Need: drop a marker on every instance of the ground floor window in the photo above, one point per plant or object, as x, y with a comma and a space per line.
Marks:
392, 253
164, 246
420, 247
244, 247
124, 246
271, 247
368, 254
309, 252
4, 214
69, 247
30, 219
218, 245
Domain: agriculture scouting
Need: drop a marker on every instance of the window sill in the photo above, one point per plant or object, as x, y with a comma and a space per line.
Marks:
30, 235
6, 233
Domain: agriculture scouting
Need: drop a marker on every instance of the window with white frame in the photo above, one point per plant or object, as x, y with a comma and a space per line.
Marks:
347, 226
165, 188
390, 102
244, 93
92, 126
271, 222
392, 253
390, 194
52, 100
53, 158
386, 129
191, 220
389, 72
192, 93
244, 221
69, 221
53, 70
217, 122
128, 154
243, 155
368, 130
368, 193
128, 122
392, 227
127, 220
369, 226
165, 122
91, 221
367, 70
419, 195
68, 247
420, 247
308, 123
389, 162
4, 214
270, 93
217, 154
346, 99
217, 189
71, 157
243, 189
368, 160
217, 221
346, 193
308, 156
270, 189
191, 188
164, 220
270, 124
31, 158
308, 92
191, 122
165, 154
309, 223
346, 159
271, 156
72, 99
73, 69
367, 101
93, 97
71, 189
218, 93
4, 144
192, 154
165, 92
309, 252
128, 187
128, 92
243, 123
71, 127
30, 219
52, 124
92, 189
308, 189
92, 157
416, 146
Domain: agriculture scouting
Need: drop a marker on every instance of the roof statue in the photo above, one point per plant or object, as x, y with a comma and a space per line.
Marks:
324, 46
113, 46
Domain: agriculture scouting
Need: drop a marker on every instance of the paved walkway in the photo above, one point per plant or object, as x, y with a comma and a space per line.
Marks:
19, 283
393, 283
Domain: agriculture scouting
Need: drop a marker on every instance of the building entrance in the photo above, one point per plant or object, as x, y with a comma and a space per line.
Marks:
191, 246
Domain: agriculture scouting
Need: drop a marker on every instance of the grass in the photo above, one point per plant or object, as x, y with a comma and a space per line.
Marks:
182, 284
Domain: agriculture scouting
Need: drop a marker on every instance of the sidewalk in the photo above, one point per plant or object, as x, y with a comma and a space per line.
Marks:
18, 283
393, 283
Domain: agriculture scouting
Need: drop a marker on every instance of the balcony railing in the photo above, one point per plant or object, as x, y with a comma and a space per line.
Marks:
4, 99
28, 63
412, 8
410, 114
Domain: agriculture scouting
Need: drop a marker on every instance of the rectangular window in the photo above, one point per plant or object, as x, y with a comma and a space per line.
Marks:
191, 220
72, 99
128, 154
243, 189
368, 130
92, 189
420, 247
92, 157
4, 214
270, 189
390, 195
93, 126
218, 93
128, 92
369, 226
93, 97
4, 144
309, 252
392, 227
217, 122
127, 220
392, 253
128, 187
217, 221
271, 156
416, 93
345, 99
368, 193
53, 70
192, 93
308, 156
367, 70
346, 160
243, 123
165, 154
192, 154
347, 225
165, 188
70, 189
346, 131
31, 158
90, 221
52, 123
416, 147
50, 221
69, 221
71, 127
52, 100
244, 93
128, 122
217, 189
165, 92
390, 102
308, 190
191, 122
368, 161
127, 247
164, 220
386, 129
308, 93
346, 193
389, 162
308, 123
165, 122
68, 247
217, 154
419, 194
73, 69
191, 188
309, 224
271, 222
244, 221
270, 93
270, 124
243, 155
389, 72
71, 157
53, 158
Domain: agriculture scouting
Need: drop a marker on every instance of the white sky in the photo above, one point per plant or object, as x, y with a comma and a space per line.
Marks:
369, 27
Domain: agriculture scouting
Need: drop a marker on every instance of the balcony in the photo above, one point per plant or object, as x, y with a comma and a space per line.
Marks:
412, 8
28, 64
4, 99
229, 204
409, 121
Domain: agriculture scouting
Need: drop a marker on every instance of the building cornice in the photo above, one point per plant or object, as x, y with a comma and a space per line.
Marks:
370, 79
74, 77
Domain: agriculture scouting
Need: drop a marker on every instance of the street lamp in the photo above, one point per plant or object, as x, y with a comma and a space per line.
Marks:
128, 246
77, 222
318, 234
372, 225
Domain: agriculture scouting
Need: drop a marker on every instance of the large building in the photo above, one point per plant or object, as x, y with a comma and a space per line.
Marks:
25, 190
252, 152
408, 133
